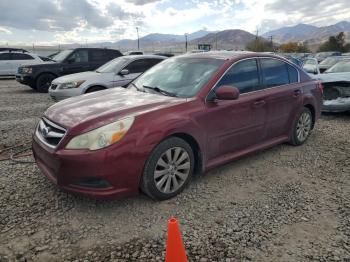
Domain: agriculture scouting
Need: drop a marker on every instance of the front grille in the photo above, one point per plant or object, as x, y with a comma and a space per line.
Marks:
19, 70
53, 86
50, 133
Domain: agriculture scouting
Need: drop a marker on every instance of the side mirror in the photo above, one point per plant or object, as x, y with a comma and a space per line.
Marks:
227, 93
124, 72
315, 71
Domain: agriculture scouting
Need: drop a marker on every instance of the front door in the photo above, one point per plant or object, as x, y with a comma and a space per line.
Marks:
236, 124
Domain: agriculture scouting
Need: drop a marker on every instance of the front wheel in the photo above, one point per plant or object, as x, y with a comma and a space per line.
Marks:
43, 82
168, 169
302, 127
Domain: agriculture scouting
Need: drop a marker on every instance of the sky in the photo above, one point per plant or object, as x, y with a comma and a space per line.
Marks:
52, 22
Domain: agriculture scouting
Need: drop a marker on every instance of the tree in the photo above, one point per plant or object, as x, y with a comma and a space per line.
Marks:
260, 45
294, 47
335, 43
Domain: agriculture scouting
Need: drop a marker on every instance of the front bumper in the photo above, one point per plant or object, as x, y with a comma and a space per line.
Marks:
58, 94
70, 170
25, 79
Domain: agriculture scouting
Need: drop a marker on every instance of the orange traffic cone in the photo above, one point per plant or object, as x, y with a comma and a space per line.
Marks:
175, 250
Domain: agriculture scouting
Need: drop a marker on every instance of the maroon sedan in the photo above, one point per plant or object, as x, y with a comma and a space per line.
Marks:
185, 115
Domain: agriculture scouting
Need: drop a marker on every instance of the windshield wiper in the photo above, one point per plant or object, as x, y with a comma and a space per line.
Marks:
138, 89
158, 90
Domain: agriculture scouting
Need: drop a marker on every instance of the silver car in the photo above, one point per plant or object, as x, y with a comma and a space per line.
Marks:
118, 72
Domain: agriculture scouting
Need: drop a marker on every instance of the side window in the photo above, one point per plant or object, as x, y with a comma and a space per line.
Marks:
243, 75
274, 72
138, 66
16, 56
79, 56
293, 74
151, 62
98, 56
5, 56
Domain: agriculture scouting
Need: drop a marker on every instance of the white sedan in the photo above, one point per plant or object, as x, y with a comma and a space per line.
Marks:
118, 72
11, 60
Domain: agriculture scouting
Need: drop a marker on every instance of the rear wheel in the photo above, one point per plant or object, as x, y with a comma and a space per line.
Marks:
43, 82
95, 89
168, 169
302, 127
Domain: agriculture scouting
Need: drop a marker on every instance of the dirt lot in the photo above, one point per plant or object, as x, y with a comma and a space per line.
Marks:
284, 204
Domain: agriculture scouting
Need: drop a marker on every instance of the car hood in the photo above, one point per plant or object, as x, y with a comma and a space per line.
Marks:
332, 77
46, 63
81, 76
95, 109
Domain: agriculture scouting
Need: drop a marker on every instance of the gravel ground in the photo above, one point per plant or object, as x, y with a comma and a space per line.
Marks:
283, 204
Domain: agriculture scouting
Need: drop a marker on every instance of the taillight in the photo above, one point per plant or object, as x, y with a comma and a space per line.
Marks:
320, 86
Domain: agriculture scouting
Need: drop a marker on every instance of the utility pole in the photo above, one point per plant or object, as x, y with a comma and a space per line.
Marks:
186, 41
271, 37
138, 39
256, 39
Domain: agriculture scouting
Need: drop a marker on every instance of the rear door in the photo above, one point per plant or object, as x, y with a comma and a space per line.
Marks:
234, 125
5, 64
97, 57
283, 95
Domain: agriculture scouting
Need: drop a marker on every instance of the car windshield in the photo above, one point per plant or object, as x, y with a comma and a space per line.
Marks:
330, 61
181, 76
62, 55
340, 67
113, 66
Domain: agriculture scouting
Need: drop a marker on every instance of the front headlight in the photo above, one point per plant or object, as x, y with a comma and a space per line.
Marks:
102, 136
73, 84
27, 70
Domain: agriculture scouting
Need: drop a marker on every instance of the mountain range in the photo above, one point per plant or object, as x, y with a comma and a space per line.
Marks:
310, 33
227, 39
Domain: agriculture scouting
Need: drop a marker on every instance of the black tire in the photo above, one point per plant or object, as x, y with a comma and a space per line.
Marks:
148, 182
32, 87
299, 127
94, 89
43, 82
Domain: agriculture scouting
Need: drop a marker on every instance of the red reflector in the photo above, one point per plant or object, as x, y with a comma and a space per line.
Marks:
320, 86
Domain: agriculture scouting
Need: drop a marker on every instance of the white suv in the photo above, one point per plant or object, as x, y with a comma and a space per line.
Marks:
11, 60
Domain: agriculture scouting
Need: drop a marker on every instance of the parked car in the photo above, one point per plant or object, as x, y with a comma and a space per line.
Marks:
330, 61
40, 76
134, 53
165, 54
2, 49
11, 60
118, 72
185, 115
323, 55
336, 82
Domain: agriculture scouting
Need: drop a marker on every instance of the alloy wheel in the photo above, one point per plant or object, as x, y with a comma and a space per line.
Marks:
303, 126
172, 170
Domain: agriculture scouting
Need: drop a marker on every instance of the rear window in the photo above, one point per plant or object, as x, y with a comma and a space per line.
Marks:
274, 72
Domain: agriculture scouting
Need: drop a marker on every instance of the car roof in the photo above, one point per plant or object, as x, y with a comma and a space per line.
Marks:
135, 57
229, 55
16, 52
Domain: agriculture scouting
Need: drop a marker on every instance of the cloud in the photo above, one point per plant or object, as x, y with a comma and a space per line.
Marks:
59, 15
5, 31
143, 2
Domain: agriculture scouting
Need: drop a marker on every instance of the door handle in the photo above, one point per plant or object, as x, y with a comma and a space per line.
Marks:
297, 92
259, 103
